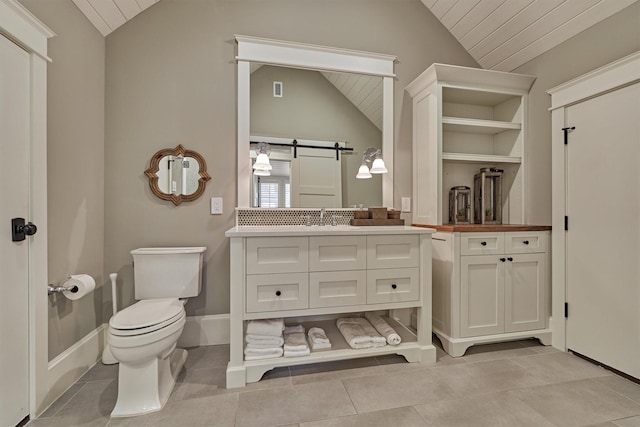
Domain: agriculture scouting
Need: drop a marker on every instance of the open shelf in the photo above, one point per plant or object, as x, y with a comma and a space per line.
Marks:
480, 158
486, 127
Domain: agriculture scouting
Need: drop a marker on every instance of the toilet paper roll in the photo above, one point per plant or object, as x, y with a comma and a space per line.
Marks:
84, 284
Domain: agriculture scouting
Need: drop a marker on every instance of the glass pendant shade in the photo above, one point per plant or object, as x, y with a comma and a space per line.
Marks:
261, 172
262, 162
363, 172
378, 166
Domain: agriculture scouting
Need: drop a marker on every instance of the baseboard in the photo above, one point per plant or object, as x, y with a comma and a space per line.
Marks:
205, 330
66, 368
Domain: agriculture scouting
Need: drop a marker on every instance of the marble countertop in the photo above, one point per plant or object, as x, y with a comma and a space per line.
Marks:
326, 230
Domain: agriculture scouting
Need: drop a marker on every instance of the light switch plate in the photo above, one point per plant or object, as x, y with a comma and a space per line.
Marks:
406, 204
216, 206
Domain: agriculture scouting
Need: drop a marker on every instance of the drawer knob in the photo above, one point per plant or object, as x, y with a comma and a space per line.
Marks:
483, 243
526, 242
278, 293
393, 286
502, 259
510, 259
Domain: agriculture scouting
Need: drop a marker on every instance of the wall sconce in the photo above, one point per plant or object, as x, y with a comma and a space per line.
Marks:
371, 156
262, 166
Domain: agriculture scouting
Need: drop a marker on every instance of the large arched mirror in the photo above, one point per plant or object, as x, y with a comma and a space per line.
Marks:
341, 63
177, 174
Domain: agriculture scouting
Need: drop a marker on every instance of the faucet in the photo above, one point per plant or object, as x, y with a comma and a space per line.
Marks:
322, 210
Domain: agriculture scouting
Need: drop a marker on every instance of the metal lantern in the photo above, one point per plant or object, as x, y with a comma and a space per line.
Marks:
460, 205
487, 188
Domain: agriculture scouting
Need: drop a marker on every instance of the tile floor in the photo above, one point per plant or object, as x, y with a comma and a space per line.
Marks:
510, 384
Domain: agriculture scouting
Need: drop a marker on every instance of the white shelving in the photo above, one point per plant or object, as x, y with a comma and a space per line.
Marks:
465, 119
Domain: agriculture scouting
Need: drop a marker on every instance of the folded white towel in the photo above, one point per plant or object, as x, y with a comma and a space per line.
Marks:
318, 335
383, 327
269, 327
263, 341
316, 345
292, 329
297, 353
262, 353
295, 342
358, 334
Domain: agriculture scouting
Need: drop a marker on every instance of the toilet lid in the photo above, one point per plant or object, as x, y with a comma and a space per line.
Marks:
146, 313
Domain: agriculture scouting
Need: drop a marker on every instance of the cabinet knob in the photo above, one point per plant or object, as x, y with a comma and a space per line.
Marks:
394, 286
483, 243
278, 293
502, 259
510, 259
526, 242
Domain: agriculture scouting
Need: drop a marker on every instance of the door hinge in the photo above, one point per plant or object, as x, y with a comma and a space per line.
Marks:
566, 133
566, 222
566, 309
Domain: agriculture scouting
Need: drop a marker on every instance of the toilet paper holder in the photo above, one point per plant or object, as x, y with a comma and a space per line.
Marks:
51, 288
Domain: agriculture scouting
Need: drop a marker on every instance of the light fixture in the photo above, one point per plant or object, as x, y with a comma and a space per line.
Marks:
262, 166
374, 156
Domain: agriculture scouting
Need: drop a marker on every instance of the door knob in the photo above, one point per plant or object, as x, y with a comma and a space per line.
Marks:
19, 229
483, 243
502, 259
510, 259
526, 242
394, 286
278, 293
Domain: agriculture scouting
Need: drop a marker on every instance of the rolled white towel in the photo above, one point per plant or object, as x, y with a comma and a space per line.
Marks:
297, 353
355, 335
269, 327
318, 335
371, 331
295, 342
263, 341
292, 329
392, 337
262, 353
316, 345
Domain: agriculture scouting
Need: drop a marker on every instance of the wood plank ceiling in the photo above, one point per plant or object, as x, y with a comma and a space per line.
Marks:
504, 34
107, 15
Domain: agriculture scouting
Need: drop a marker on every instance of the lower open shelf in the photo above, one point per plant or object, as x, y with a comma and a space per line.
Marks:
253, 370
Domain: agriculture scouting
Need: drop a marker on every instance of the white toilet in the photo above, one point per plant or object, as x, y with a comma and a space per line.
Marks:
143, 336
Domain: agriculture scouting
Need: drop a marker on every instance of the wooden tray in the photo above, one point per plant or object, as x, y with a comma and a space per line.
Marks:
374, 222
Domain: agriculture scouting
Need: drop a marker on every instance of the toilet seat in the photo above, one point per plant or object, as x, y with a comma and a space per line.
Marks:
146, 316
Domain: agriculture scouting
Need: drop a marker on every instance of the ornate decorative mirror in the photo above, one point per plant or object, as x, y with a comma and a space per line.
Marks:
177, 174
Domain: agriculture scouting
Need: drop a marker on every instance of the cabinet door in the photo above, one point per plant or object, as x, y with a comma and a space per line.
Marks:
277, 292
524, 292
397, 251
277, 255
337, 288
481, 295
332, 253
481, 243
525, 242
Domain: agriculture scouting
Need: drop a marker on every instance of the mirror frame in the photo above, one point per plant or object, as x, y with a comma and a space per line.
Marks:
310, 57
154, 168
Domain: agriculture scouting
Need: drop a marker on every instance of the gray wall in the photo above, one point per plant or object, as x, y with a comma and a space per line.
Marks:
599, 45
171, 79
75, 167
312, 108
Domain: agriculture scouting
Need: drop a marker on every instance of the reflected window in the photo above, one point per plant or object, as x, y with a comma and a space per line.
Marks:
273, 191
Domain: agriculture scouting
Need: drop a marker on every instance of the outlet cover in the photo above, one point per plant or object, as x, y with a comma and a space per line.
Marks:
406, 204
216, 206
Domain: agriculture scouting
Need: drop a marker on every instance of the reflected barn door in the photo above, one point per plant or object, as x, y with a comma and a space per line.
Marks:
603, 236
14, 256
316, 180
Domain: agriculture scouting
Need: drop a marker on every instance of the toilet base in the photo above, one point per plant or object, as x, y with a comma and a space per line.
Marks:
145, 388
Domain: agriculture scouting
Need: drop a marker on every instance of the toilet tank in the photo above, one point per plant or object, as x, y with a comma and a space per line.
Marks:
167, 272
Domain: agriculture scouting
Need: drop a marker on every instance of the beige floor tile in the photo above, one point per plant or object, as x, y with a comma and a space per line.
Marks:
69, 421
337, 370
559, 367
496, 351
218, 411
298, 403
486, 377
207, 357
496, 409
398, 417
578, 403
628, 422
100, 372
96, 401
394, 390
62, 400
621, 385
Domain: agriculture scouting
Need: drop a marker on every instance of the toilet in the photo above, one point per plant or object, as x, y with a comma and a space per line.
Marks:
143, 336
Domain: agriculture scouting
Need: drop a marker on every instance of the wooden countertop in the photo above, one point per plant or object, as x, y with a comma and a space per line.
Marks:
469, 228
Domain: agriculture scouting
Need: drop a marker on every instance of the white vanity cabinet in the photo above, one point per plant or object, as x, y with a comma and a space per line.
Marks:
312, 275
490, 287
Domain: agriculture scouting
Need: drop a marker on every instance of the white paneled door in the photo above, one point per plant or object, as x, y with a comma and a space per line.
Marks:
603, 237
14, 256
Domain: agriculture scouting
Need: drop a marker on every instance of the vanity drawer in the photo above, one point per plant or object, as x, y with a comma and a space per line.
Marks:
277, 292
399, 251
481, 243
525, 242
337, 289
393, 285
333, 253
277, 255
